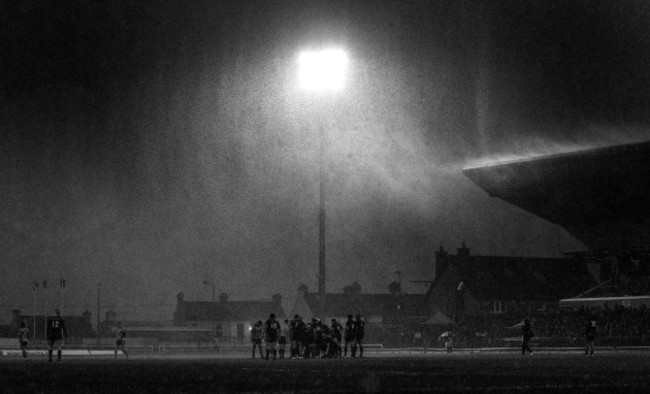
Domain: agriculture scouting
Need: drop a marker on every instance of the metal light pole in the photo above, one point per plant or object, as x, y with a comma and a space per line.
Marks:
99, 291
61, 287
400, 307
34, 286
319, 71
321, 224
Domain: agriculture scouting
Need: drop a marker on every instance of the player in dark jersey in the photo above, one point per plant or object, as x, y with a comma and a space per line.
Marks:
305, 338
526, 335
301, 335
590, 335
349, 336
23, 335
120, 335
56, 333
315, 339
358, 340
293, 337
323, 339
271, 336
334, 348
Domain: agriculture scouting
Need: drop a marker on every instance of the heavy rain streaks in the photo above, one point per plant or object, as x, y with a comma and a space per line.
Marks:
153, 146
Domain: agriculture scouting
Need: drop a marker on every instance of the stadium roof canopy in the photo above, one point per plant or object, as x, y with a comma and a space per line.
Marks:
600, 196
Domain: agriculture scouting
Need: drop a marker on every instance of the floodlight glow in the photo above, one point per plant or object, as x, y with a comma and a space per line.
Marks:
322, 70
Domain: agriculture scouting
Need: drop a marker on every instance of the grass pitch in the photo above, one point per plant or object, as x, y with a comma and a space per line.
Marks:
557, 372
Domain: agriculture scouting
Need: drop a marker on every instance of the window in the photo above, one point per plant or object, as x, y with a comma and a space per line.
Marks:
498, 307
218, 331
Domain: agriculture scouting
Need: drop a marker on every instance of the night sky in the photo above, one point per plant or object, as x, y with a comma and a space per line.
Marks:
153, 145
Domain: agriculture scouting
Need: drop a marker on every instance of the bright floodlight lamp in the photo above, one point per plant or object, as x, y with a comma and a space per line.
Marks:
322, 70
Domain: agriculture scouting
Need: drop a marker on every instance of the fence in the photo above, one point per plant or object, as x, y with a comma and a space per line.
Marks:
506, 344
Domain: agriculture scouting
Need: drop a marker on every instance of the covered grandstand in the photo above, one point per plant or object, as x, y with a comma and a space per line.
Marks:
600, 196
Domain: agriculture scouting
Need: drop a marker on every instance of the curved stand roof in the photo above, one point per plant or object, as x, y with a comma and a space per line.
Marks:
600, 196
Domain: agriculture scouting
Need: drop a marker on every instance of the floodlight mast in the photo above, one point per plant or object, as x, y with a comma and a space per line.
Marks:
322, 71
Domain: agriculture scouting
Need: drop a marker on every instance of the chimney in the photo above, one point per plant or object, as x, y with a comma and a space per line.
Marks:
353, 290
463, 250
277, 299
303, 290
223, 297
110, 316
442, 261
179, 313
87, 315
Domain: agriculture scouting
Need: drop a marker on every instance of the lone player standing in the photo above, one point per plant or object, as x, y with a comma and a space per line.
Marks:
526, 335
358, 341
56, 332
120, 334
590, 335
23, 333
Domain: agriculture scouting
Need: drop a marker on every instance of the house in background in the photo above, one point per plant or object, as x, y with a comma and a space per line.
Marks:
496, 286
230, 320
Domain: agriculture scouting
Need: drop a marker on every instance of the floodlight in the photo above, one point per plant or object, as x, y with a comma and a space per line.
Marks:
322, 70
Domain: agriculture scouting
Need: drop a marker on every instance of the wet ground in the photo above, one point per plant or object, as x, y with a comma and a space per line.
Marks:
559, 372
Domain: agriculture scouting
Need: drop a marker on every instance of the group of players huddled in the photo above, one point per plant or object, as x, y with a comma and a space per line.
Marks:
313, 339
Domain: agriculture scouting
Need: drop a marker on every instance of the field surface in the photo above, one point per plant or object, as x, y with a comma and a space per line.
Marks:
551, 372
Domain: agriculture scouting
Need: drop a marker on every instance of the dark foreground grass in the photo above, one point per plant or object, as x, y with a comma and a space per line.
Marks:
606, 372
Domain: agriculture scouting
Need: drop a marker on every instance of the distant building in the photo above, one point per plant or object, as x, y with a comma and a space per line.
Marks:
230, 320
494, 285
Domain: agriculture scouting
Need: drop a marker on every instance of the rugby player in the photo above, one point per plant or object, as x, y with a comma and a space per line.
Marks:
304, 331
334, 348
23, 335
294, 337
590, 335
315, 339
256, 337
120, 334
526, 335
284, 333
56, 332
358, 340
349, 336
323, 339
271, 336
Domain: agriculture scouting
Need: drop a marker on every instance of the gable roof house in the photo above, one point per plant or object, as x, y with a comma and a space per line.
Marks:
495, 285
231, 320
